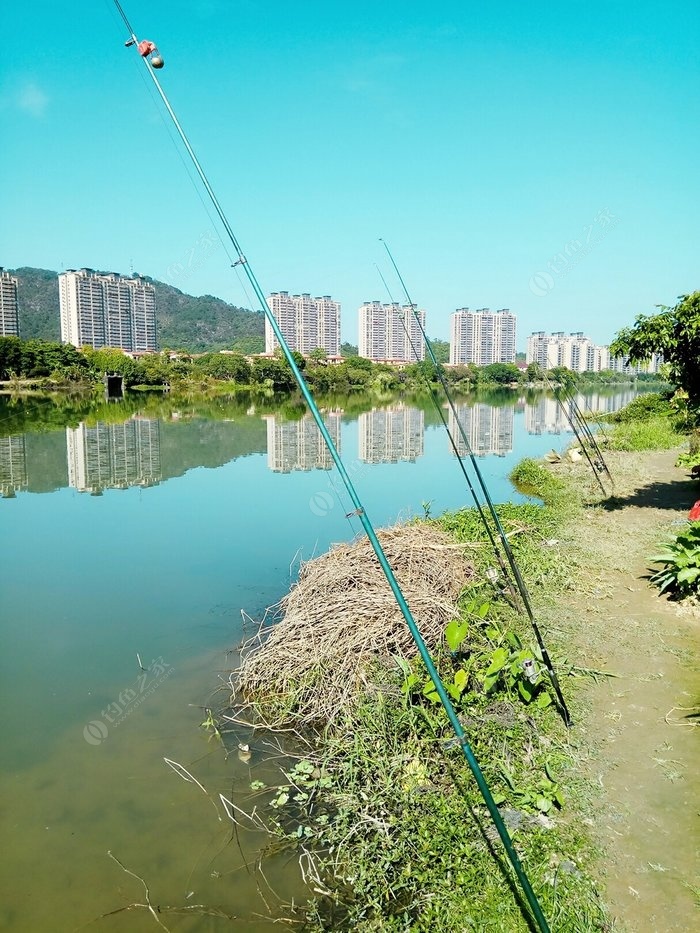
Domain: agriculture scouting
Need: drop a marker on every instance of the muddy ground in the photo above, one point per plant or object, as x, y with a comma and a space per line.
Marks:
636, 735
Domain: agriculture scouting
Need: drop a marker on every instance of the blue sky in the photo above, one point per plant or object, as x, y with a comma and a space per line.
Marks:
536, 156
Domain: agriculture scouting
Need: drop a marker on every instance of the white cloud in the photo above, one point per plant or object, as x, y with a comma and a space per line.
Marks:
32, 100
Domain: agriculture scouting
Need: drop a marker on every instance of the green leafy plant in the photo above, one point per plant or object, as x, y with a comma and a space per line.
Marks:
514, 667
542, 794
680, 560
688, 460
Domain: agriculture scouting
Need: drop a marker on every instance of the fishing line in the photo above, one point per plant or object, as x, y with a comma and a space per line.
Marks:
525, 596
367, 525
453, 443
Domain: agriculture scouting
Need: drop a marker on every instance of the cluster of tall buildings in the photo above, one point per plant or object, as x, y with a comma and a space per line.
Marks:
482, 337
112, 310
391, 333
107, 310
579, 354
307, 323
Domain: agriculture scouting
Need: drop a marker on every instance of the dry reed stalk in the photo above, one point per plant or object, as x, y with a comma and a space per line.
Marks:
341, 614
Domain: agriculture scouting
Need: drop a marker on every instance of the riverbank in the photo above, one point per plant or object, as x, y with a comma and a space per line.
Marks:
397, 832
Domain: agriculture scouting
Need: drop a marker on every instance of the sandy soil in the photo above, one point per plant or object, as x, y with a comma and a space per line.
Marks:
636, 735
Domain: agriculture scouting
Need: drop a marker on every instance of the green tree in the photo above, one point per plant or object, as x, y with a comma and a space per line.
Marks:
348, 349
441, 349
534, 372
674, 333
273, 373
318, 354
113, 360
501, 373
228, 366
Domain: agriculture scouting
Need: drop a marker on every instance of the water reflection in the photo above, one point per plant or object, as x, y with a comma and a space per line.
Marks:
488, 428
387, 435
547, 416
146, 449
13, 465
298, 445
220, 538
114, 456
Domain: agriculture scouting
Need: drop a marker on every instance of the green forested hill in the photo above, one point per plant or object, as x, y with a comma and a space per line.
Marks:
184, 322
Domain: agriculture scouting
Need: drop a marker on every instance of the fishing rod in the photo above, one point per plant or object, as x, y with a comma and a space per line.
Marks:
584, 422
453, 443
577, 433
515, 570
145, 50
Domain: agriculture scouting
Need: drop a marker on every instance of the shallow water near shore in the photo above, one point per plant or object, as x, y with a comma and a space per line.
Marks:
130, 544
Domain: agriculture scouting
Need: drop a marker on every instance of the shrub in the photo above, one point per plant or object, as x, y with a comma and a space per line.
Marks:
679, 574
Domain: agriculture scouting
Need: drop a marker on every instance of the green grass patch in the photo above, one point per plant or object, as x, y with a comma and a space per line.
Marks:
656, 433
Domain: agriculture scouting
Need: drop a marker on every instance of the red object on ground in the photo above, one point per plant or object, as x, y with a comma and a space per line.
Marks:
145, 47
694, 514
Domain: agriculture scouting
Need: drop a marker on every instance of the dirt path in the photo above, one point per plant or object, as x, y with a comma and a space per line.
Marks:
635, 736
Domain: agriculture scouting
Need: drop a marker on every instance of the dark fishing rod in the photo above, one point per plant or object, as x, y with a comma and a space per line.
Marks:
515, 570
455, 448
145, 49
592, 440
577, 433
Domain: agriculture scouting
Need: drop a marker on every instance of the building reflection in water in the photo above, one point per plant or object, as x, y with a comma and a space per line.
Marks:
488, 428
387, 435
298, 445
13, 465
114, 456
547, 416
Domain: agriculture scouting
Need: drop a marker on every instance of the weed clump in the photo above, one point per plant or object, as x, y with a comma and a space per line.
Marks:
309, 662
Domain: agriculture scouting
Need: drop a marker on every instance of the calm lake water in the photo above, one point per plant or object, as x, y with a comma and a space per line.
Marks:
140, 530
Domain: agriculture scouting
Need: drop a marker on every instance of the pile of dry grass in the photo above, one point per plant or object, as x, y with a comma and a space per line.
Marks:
341, 615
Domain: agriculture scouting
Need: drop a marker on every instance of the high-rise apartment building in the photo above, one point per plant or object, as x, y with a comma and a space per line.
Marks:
9, 309
390, 333
107, 310
306, 323
482, 337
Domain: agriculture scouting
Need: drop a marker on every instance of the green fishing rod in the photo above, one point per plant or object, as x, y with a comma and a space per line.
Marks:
530, 896
455, 448
515, 570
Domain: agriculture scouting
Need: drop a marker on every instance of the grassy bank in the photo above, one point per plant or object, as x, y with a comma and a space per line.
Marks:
383, 810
